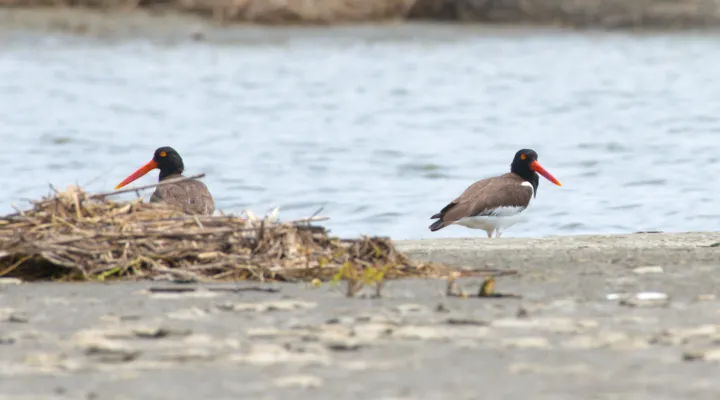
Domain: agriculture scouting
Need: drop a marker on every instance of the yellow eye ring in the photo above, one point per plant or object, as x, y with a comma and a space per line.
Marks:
522, 157
164, 154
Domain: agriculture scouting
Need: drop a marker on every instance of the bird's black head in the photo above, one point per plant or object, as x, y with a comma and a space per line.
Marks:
521, 163
526, 165
168, 161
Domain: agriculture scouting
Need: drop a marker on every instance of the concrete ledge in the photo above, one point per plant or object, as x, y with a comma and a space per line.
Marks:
566, 251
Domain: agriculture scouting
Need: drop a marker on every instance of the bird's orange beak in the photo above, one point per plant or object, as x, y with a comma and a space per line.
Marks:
137, 174
535, 166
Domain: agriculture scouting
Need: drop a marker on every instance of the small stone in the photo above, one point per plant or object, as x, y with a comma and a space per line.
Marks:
183, 355
651, 269
299, 381
159, 332
702, 355
346, 344
646, 299
6, 340
188, 314
706, 297
264, 333
18, 318
466, 321
269, 354
282, 305
526, 342
364, 365
10, 281
557, 325
120, 318
11, 315
372, 331
675, 336
329, 333
183, 293
340, 321
110, 352
576, 369
616, 296
613, 340
441, 308
522, 313
409, 308
415, 332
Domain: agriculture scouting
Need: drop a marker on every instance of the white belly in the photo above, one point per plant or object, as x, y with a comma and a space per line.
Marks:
491, 223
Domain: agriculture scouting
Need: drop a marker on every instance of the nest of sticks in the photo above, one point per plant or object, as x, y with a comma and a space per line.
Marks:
72, 235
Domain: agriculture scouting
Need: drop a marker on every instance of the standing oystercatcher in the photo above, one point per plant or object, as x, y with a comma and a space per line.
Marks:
494, 204
191, 195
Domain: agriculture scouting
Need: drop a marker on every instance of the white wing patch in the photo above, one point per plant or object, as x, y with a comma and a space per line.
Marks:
503, 211
509, 211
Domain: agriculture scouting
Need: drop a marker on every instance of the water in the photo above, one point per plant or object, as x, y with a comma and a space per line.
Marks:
380, 126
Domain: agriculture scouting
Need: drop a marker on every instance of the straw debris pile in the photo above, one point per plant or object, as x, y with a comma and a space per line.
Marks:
72, 235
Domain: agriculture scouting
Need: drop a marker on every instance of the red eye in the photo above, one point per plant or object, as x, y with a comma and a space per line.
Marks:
523, 157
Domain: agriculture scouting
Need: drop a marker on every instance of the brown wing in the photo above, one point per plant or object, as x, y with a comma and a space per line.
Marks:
484, 198
192, 196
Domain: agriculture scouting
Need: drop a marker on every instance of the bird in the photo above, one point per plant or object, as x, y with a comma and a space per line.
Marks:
495, 204
191, 196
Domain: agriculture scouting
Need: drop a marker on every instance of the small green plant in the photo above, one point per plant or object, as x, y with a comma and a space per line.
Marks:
370, 276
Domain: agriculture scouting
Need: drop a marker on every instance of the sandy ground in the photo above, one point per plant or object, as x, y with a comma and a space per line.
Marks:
576, 330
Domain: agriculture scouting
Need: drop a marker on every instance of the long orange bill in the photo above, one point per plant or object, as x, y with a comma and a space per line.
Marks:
535, 166
137, 174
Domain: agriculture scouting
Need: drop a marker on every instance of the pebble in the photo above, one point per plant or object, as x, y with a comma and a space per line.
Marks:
202, 294
344, 344
299, 381
184, 355
7, 340
646, 299
191, 313
269, 354
362, 365
466, 321
557, 325
418, 332
282, 305
612, 340
11, 315
10, 281
110, 352
574, 369
706, 297
651, 269
372, 331
159, 332
675, 336
410, 308
702, 355
209, 341
526, 342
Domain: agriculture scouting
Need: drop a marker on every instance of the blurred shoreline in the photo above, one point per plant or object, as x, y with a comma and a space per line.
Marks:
92, 16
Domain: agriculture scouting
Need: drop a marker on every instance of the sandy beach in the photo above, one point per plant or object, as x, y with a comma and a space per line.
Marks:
593, 317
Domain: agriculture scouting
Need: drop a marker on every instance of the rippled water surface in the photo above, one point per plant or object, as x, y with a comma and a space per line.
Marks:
381, 129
